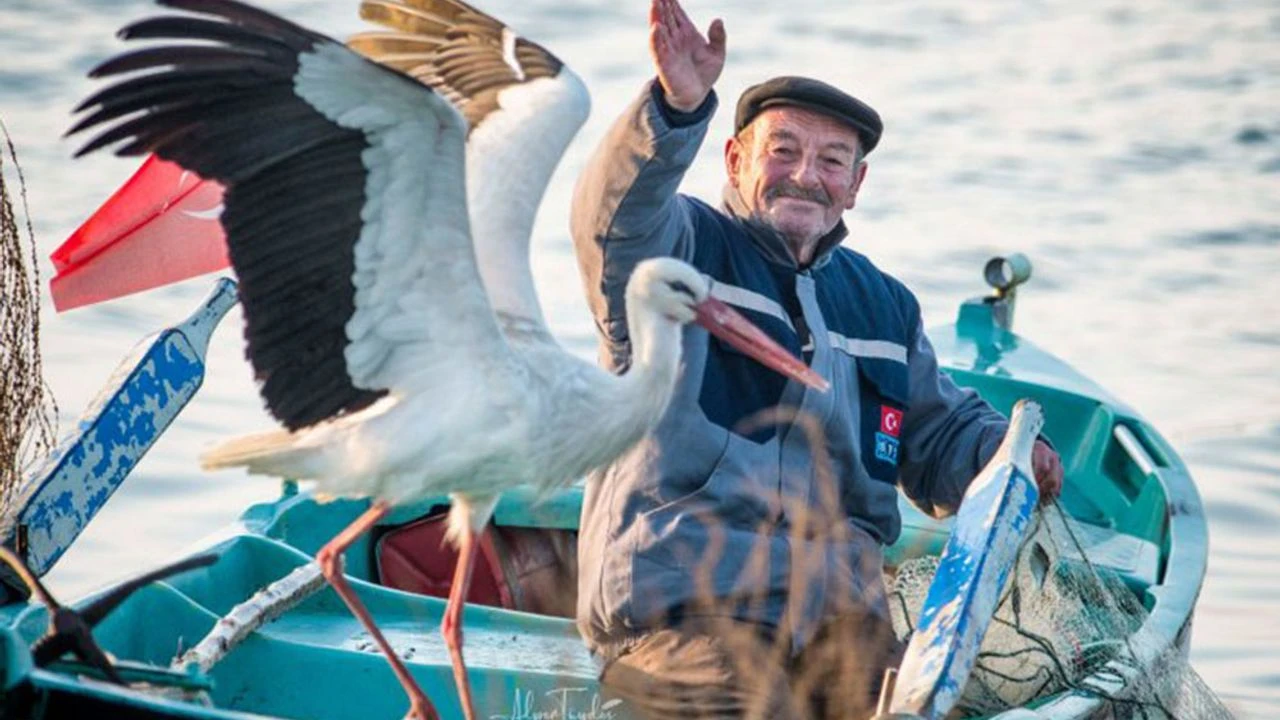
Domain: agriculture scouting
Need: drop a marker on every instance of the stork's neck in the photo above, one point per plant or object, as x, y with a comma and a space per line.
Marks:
655, 351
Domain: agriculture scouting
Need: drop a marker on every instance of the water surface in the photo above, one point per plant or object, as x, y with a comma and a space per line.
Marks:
1132, 149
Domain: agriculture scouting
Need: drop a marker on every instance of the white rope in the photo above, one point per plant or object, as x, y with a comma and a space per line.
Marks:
266, 605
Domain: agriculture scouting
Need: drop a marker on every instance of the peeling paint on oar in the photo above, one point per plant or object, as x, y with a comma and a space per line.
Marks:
138, 403
975, 564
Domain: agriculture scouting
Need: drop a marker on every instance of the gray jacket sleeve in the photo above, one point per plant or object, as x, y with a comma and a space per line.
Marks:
949, 434
625, 207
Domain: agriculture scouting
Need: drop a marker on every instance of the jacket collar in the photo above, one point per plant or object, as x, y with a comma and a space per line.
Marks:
770, 243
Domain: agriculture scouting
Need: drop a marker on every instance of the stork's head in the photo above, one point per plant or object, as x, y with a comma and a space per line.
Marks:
670, 288
677, 293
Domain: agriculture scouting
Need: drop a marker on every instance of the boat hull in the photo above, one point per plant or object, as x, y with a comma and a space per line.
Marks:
1123, 481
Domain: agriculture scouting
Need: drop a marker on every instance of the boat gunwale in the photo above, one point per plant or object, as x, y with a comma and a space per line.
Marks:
1166, 627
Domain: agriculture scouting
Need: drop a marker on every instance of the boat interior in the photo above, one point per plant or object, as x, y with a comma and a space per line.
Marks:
522, 648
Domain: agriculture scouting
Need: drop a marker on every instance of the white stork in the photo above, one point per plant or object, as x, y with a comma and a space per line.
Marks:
380, 235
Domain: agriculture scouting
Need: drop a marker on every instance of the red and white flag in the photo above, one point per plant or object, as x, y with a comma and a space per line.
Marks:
160, 227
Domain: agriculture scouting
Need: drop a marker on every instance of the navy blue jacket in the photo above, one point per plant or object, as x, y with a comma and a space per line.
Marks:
721, 510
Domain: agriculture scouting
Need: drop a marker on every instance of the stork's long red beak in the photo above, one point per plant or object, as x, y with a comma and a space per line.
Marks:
730, 326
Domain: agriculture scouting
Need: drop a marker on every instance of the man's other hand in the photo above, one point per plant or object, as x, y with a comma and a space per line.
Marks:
1047, 467
688, 64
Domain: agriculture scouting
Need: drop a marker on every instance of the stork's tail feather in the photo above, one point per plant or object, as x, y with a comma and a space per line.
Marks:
270, 453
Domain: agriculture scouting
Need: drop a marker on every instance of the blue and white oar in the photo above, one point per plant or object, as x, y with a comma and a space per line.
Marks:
966, 588
141, 398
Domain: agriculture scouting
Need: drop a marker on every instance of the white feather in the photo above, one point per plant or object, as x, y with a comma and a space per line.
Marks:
509, 52
468, 412
511, 155
416, 237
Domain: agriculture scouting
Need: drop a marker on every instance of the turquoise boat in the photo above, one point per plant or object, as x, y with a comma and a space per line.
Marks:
1124, 481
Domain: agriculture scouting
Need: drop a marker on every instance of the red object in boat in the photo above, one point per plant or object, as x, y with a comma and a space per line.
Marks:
160, 227
528, 569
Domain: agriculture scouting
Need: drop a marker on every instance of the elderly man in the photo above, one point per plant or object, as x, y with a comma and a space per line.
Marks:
731, 564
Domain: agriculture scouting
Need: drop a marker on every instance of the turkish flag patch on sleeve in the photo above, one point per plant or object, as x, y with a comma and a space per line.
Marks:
890, 421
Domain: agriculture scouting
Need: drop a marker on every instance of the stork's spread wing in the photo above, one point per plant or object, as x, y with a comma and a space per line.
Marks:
523, 107
344, 211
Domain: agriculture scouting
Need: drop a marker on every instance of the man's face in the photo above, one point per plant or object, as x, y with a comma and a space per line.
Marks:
797, 171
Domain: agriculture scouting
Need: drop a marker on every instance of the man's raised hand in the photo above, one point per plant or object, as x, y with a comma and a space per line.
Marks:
688, 64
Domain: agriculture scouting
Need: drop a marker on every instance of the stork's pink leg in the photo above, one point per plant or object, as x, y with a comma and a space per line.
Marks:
330, 560
451, 626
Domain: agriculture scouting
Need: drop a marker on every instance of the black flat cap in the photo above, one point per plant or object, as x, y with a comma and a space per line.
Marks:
812, 95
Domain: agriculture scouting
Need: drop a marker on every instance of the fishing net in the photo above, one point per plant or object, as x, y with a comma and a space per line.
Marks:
27, 410
1063, 624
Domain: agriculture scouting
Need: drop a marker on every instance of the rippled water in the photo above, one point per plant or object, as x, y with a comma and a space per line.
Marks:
1131, 148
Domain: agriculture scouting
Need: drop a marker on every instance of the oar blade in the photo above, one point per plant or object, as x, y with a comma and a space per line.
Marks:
976, 562
147, 391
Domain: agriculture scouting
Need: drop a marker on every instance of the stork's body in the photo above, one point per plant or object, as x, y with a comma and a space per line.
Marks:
545, 420
400, 343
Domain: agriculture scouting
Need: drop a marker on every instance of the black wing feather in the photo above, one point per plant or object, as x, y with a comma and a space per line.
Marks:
189, 57
170, 27
249, 16
146, 91
219, 100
